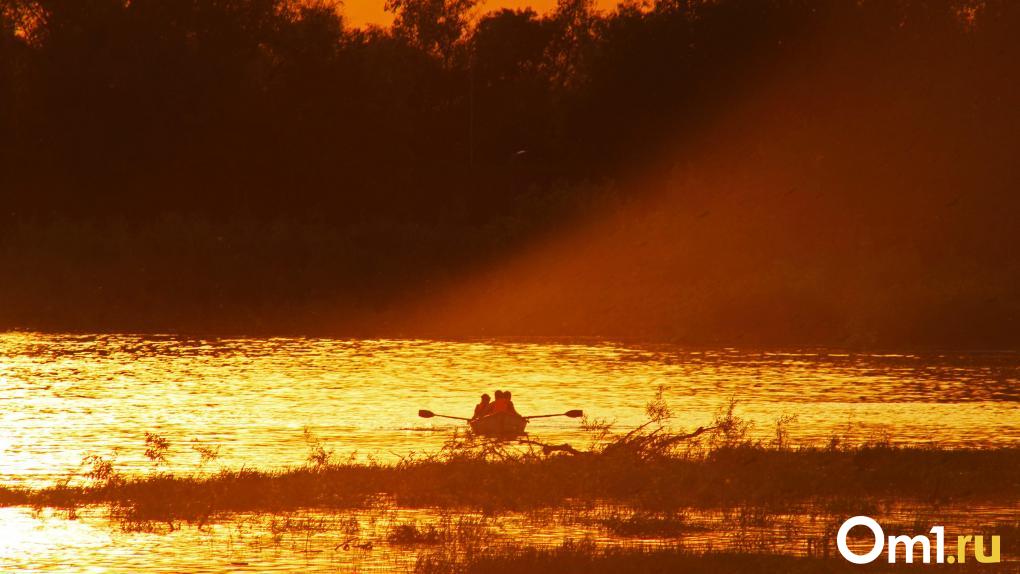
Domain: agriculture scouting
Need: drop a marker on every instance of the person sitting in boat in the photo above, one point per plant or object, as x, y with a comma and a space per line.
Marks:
483, 408
498, 404
503, 404
510, 404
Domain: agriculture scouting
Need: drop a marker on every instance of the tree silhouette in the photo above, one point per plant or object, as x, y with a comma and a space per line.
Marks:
164, 163
433, 26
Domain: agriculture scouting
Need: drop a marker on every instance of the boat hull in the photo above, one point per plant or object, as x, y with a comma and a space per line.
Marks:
499, 424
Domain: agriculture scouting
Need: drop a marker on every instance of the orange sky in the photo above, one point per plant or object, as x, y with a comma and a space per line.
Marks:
361, 12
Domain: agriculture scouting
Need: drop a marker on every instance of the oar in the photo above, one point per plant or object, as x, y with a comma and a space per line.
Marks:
572, 414
429, 414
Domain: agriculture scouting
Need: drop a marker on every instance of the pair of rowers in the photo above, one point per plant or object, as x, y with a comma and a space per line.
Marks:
502, 404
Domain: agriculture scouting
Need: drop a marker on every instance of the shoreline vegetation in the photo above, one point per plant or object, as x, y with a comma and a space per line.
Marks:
651, 468
728, 477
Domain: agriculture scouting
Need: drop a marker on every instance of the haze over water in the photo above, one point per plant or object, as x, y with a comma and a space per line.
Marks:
63, 397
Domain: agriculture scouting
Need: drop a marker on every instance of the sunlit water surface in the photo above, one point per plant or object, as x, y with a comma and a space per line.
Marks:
363, 541
64, 397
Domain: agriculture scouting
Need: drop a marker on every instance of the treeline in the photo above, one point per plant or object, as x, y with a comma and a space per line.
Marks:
150, 149
149, 106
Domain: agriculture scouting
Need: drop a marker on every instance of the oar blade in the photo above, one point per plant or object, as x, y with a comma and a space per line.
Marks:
576, 413
426, 414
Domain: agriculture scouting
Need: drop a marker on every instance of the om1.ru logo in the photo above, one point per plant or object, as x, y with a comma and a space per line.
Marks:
909, 544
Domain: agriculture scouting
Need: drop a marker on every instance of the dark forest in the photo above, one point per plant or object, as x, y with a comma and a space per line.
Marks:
261, 167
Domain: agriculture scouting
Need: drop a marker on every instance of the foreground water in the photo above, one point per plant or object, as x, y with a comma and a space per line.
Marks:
64, 397
368, 540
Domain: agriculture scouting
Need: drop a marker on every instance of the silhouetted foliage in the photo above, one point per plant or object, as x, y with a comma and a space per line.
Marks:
432, 26
164, 162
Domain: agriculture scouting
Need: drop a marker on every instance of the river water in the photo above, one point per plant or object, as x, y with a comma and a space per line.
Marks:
264, 402
64, 397
361, 540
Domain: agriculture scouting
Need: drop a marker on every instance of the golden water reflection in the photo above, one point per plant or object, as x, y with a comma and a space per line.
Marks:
63, 397
50, 540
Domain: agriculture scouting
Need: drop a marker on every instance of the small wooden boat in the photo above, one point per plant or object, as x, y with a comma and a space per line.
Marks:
499, 424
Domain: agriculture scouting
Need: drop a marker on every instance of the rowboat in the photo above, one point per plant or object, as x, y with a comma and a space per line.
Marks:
499, 424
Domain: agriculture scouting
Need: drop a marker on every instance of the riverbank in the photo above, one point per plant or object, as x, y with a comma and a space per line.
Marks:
723, 477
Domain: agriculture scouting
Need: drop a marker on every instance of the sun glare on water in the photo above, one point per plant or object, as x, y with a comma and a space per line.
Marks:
67, 397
